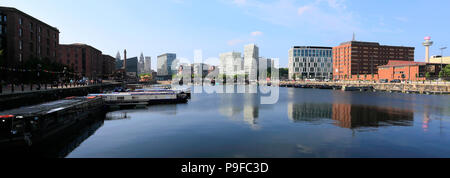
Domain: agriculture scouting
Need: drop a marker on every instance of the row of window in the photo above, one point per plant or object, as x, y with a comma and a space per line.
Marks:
322, 65
312, 60
312, 53
32, 48
31, 26
297, 70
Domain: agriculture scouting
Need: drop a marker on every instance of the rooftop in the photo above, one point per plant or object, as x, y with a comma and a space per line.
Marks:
398, 63
3, 8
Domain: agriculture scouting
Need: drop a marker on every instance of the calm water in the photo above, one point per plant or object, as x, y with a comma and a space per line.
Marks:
304, 123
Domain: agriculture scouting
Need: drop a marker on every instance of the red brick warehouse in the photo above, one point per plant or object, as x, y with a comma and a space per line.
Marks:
355, 60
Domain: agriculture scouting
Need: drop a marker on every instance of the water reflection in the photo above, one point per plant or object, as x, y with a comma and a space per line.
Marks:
350, 116
59, 146
356, 116
242, 106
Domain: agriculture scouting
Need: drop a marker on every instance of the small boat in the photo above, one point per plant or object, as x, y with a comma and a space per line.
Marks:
144, 97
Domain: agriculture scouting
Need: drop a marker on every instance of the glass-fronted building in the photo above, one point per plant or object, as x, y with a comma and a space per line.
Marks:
310, 62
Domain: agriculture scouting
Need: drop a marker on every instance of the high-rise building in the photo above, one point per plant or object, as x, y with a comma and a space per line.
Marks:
264, 65
148, 65
83, 59
231, 64
23, 37
141, 64
251, 61
119, 63
166, 67
132, 66
356, 60
310, 62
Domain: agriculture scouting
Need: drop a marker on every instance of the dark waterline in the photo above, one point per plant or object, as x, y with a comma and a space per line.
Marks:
304, 123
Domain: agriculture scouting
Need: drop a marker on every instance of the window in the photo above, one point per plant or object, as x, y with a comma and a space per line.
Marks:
20, 57
4, 18
31, 27
20, 21
31, 47
1, 29
20, 45
20, 32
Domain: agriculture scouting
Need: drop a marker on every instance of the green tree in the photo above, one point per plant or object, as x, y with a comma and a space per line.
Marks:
447, 71
441, 74
427, 75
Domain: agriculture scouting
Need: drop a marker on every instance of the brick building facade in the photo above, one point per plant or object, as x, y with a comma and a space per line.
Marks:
408, 70
109, 65
85, 60
357, 60
23, 37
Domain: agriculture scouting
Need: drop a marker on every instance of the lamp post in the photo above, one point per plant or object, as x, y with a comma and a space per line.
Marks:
442, 56
442, 59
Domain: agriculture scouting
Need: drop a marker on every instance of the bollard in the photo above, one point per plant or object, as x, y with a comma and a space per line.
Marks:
23, 87
12, 88
31, 87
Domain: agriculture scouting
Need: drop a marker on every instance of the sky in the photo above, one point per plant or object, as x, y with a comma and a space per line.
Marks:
155, 27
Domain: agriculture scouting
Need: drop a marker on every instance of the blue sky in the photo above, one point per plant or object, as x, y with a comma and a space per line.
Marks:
216, 26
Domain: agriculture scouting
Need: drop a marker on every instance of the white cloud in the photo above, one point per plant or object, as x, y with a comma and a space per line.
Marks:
256, 33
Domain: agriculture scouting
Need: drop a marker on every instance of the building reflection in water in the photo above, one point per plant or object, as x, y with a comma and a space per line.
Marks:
117, 116
242, 107
350, 116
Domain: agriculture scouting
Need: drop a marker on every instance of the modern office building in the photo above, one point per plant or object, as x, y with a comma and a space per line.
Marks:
251, 61
231, 64
355, 60
23, 37
148, 65
132, 65
166, 67
310, 62
85, 60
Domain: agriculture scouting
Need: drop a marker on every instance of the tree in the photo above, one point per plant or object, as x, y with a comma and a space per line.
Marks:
447, 71
427, 75
441, 74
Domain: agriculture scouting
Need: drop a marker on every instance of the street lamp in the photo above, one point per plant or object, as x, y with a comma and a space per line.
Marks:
442, 57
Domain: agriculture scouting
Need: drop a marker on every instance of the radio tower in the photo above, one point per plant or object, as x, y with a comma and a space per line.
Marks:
427, 45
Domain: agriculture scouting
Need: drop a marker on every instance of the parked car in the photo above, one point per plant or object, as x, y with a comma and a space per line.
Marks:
384, 81
396, 81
